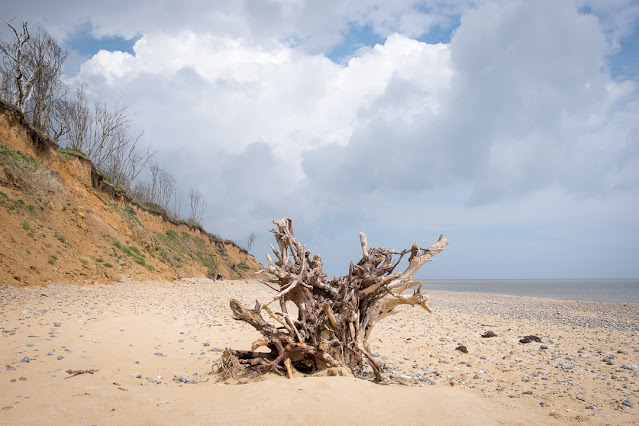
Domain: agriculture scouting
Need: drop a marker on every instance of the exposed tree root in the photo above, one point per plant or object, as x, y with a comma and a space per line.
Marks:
335, 318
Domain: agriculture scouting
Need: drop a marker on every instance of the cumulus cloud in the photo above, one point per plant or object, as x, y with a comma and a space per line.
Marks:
516, 117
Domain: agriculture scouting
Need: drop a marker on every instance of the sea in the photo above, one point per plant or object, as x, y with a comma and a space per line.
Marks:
605, 290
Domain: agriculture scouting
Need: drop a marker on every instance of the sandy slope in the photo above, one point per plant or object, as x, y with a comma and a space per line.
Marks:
177, 329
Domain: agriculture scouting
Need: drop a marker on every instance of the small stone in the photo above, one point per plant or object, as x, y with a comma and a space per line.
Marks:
462, 349
158, 354
8, 407
627, 403
23, 378
12, 380
488, 334
543, 347
137, 375
10, 368
25, 359
50, 353
60, 357
30, 345
531, 338
614, 377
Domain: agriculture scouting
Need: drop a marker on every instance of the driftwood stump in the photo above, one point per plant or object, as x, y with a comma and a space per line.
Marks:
334, 318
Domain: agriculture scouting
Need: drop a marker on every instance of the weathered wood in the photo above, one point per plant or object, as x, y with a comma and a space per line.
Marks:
335, 318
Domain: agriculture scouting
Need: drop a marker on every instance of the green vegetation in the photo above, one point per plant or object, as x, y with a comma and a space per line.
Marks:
52, 259
141, 262
99, 260
243, 266
84, 262
108, 265
60, 237
135, 253
26, 171
67, 152
13, 206
154, 208
26, 225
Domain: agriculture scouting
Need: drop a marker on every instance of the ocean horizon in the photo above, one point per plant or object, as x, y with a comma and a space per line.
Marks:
605, 290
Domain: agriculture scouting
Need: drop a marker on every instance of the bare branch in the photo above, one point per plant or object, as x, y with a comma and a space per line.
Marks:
335, 318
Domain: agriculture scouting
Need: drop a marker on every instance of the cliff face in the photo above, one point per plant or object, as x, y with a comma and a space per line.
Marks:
61, 222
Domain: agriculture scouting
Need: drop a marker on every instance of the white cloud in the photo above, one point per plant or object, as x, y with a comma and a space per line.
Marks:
513, 128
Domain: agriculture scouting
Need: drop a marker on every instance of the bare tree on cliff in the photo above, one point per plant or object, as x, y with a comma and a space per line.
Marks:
105, 136
197, 205
249, 244
335, 318
17, 79
31, 77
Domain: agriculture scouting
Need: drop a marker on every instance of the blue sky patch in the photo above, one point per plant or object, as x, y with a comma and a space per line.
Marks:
358, 36
625, 64
87, 45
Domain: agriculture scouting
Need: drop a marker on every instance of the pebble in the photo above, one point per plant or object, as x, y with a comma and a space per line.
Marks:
138, 375
543, 347
60, 357
25, 359
627, 403
158, 354
462, 349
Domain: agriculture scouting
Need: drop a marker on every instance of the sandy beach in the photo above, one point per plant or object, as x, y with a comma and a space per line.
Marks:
152, 345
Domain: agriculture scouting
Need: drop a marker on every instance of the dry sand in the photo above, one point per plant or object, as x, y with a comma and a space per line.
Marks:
160, 330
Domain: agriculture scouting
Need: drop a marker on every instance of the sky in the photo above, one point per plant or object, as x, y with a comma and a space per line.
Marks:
512, 127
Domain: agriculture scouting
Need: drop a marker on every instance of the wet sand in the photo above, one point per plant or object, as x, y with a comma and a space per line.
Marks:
153, 345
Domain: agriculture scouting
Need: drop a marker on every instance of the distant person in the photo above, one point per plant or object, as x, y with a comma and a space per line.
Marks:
219, 277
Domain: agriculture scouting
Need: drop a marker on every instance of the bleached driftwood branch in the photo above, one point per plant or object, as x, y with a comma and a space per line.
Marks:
335, 318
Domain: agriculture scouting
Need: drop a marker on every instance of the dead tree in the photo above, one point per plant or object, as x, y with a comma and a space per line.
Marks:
334, 318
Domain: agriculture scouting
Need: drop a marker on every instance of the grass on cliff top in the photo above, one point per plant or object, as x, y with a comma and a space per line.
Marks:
65, 152
26, 170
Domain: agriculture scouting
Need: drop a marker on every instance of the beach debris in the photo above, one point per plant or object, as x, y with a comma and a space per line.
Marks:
531, 338
488, 334
335, 317
228, 366
461, 348
74, 373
